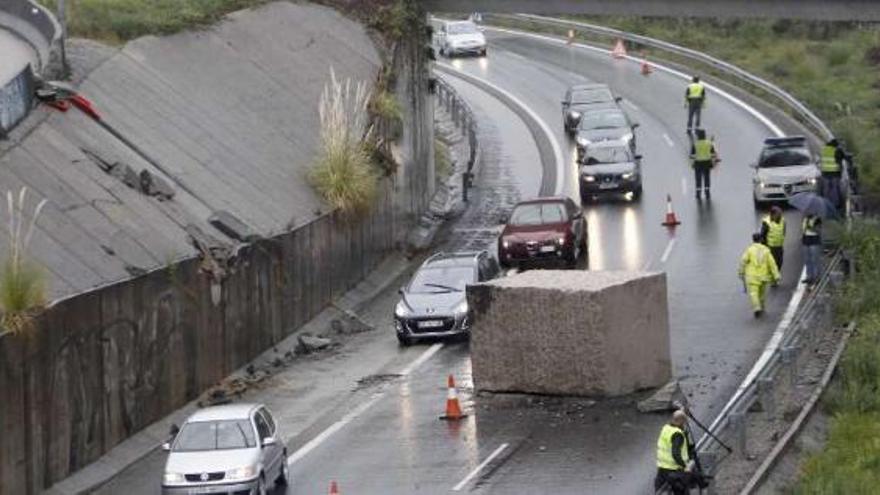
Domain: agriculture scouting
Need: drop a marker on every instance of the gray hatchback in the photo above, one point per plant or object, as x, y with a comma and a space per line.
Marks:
231, 450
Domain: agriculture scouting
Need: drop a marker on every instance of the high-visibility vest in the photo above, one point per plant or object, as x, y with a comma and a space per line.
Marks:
696, 91
829, 162
757, 264
809, 227
775, 232
665, 460
703, 150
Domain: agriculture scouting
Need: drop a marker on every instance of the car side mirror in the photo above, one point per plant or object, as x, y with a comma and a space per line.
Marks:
173, 430
401, 290
635, 125
503, 219
638, 157
166, 446
268, 442
618, 99
564, 103
578, 214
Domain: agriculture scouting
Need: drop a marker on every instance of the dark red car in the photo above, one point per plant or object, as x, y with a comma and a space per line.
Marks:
543, 229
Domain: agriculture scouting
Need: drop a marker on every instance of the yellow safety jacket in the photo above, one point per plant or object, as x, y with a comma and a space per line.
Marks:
829, 162
703, 151
696, 91
757, 265
809, 226
665, 460
775, 232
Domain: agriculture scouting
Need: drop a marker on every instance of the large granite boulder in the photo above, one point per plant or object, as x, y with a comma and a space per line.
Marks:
570, 332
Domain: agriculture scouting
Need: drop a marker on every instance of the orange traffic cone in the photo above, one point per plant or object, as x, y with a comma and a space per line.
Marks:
453, 408
646, 67
619, 50
670, 221
570, 37
334, 489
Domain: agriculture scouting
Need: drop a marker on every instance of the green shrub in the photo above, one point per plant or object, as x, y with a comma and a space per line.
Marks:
344, 173
850, 463
22, 281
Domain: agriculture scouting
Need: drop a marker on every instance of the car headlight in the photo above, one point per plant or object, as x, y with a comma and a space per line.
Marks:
242, 474
583, 142
589, 178
812, 181
170, 478
561, 240
761, 184
505, 243
461, 309
401, 310
627, 138
574, 115
628, 175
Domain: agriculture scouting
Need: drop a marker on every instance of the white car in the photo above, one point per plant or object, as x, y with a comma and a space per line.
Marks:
460, 38
785, 167
231, 449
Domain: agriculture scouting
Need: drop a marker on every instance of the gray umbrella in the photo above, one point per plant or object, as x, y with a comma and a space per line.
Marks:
813, 204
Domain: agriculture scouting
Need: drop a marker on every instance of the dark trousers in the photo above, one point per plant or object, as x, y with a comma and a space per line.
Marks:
777, 256
675, 482
695, 108
702, 176
831, 189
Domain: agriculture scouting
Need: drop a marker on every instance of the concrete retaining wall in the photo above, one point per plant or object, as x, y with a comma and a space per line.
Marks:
570, 333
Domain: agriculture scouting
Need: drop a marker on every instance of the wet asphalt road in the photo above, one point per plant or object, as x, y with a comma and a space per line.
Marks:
388, 439
398, 446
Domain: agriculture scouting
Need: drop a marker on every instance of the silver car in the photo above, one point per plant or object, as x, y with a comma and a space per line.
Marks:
231, 450
785, 167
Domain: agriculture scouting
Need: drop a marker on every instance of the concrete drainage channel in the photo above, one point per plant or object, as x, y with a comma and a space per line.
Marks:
779, 394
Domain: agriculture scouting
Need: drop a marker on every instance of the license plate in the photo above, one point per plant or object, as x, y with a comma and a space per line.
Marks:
430, 324
608, 185
202, 490
548, 249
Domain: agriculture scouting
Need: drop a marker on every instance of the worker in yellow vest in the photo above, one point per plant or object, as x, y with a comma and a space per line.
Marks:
757, 269
773, 234
703, 160
674, 454
695, 100
831, 166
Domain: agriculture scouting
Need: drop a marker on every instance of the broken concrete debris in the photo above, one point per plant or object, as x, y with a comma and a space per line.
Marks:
665, 398
310, 343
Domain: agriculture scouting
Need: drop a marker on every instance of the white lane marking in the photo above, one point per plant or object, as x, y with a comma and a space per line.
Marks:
669, 140
557, 150
430, 351
461, 484
684, 186
631, 104
667, 251
352, 415
724, 94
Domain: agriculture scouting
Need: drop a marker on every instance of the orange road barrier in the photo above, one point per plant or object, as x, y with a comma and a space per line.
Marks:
619, 50
334, 488
453, 408
671, 220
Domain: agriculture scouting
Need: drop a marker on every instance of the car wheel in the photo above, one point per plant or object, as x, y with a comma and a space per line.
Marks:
485, 51
283, 476
756, 202
404, 340
637, 193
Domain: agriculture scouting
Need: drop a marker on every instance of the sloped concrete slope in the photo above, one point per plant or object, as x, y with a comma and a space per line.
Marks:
226, 117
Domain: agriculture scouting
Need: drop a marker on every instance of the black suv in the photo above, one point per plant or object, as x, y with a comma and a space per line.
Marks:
433, 304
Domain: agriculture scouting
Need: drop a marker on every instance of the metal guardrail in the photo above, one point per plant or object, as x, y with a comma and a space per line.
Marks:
463, 117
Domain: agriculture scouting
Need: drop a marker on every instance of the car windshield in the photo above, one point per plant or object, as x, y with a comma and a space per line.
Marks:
586, 96
596, 156
537, 214
603, 120
462, 28
784, 157
441, 280
215, 435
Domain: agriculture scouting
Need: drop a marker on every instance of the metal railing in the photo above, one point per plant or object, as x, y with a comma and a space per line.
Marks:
463, 117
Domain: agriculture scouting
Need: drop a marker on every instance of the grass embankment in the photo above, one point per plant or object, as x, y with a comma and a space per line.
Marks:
850, 461
117, 21
833, 67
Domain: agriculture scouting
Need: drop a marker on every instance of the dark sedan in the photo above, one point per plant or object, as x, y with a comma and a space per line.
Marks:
610, 167
605, 125
433, 304
542, 230
583, 98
